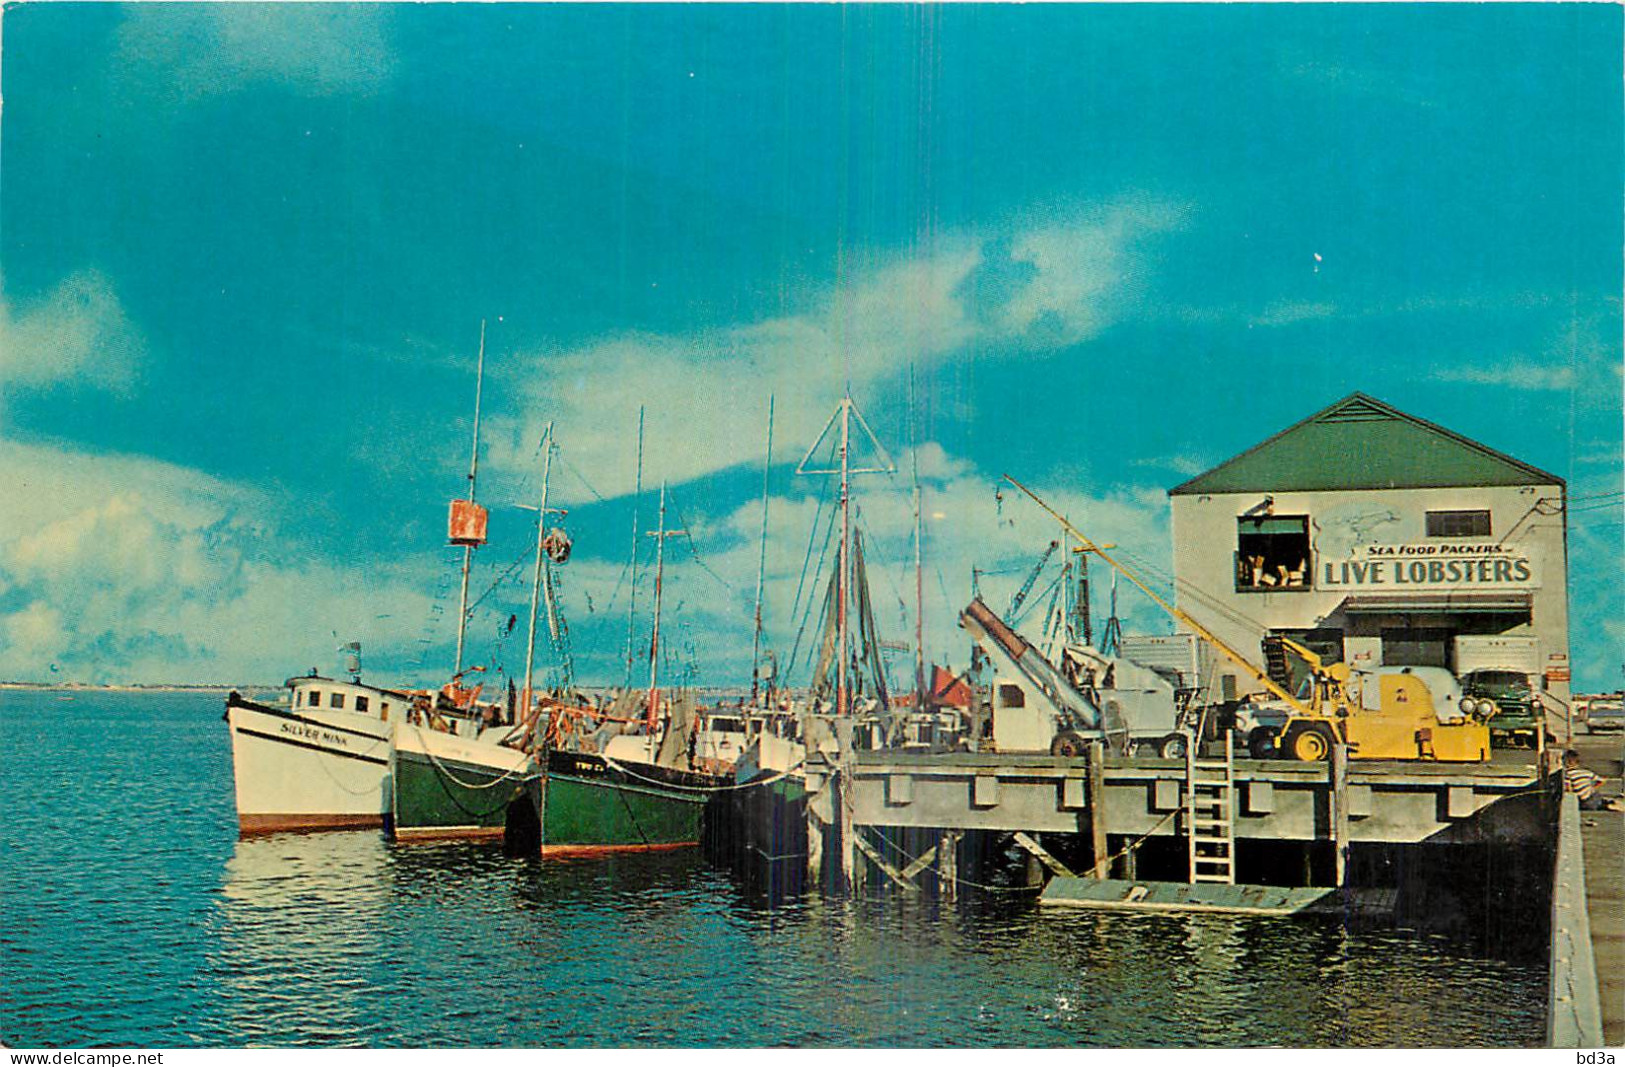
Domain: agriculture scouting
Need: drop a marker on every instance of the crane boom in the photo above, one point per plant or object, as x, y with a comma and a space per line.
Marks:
1259, 676
1027, 586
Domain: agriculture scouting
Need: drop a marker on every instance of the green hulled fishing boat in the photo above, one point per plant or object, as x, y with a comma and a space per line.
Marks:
592, 802
447, 786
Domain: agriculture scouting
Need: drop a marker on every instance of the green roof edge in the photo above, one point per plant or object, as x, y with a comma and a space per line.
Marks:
1190, 486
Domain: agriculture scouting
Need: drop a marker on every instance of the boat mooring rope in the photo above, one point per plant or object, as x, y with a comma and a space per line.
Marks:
443, 769
698, 788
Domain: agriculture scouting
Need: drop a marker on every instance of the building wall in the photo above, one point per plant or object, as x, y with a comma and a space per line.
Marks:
1367, 526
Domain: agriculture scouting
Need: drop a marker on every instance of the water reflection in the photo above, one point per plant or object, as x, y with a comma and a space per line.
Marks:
191, 937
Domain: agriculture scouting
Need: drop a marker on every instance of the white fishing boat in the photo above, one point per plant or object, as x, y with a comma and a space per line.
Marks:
317, 759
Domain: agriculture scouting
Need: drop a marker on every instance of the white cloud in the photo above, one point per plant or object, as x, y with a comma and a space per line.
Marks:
1515, 374
126, 569
76, 333
194, 50
1033, 285
1290, 312
1181, 463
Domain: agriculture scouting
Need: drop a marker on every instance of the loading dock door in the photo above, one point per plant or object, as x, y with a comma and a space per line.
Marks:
1416, 647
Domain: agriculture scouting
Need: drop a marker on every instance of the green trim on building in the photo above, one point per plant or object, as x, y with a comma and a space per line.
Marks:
1362, 443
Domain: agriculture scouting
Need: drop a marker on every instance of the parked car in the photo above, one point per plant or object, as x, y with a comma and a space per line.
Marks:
1604, 716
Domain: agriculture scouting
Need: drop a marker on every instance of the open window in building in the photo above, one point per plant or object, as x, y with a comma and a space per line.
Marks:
1272, 552
1458, 524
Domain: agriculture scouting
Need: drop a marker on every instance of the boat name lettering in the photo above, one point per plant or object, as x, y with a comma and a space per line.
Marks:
311, 733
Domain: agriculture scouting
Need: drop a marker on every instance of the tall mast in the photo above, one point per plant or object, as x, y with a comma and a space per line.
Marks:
632, 599
536, 576
473, 475
844, 413
843, 591
919, 573
761, 565
660, 536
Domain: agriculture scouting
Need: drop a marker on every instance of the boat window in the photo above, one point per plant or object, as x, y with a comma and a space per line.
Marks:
1458, 524
337, 701
730, 725
1272, 552
361, 703
313, 697
383, 711
1011, 696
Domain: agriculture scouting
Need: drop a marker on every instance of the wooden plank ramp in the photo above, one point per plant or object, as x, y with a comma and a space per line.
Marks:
1114, 894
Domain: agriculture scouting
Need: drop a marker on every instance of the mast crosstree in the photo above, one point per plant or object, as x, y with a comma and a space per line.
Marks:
838, 431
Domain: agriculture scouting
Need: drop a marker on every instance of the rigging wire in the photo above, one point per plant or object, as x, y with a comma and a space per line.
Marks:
812, 534
818, 570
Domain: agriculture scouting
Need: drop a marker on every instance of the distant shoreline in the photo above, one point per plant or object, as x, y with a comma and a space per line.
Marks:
156, 687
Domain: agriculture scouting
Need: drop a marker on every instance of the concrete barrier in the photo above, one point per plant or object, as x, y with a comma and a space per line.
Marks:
1573, 1007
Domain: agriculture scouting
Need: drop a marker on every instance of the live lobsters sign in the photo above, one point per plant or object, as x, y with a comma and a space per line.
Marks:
1416, 568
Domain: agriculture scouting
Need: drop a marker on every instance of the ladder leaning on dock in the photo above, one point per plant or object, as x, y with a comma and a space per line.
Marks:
1210, 813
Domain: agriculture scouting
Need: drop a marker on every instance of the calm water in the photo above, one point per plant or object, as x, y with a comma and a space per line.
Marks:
130, 914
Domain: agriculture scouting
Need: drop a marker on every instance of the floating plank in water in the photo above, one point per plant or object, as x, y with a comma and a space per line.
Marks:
1118, 895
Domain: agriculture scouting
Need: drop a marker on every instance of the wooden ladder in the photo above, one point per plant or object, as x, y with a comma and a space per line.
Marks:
1210, 813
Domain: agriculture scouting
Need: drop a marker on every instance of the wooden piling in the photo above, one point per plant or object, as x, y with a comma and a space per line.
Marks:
1340, 812
1097, 809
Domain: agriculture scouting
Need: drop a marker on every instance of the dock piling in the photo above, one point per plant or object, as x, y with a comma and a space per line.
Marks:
1340, 812
1097, 809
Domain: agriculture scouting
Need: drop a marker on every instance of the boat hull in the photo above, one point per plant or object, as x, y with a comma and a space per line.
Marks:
771, 816
307, 770
769, 807
453, 788
592, 805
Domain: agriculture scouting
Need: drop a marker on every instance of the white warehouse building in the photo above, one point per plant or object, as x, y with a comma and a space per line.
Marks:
1376, 538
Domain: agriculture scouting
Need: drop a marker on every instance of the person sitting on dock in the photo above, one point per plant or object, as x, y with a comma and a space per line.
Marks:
1584, 785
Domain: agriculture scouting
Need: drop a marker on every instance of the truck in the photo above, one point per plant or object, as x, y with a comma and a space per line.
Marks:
1498, 675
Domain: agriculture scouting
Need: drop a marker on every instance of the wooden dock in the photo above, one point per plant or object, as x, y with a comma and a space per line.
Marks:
1388, 801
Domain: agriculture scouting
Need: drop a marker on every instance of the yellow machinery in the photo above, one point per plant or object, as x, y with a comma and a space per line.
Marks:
1402, 723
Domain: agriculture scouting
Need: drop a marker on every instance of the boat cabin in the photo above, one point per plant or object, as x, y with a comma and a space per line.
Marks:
313, 693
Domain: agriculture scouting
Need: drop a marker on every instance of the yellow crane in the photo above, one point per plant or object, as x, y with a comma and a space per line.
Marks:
1403, 724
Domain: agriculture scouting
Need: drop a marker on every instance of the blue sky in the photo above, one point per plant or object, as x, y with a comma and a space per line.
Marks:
245, 251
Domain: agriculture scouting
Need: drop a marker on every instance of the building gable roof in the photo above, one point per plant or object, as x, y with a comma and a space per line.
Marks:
1362, 443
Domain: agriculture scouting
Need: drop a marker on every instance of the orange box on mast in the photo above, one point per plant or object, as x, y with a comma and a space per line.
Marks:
467, 523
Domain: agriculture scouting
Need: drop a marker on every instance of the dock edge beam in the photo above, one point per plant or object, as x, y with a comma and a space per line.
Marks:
1574, 1006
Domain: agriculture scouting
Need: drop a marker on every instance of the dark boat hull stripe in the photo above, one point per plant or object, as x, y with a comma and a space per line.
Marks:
317, 748
265, 709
